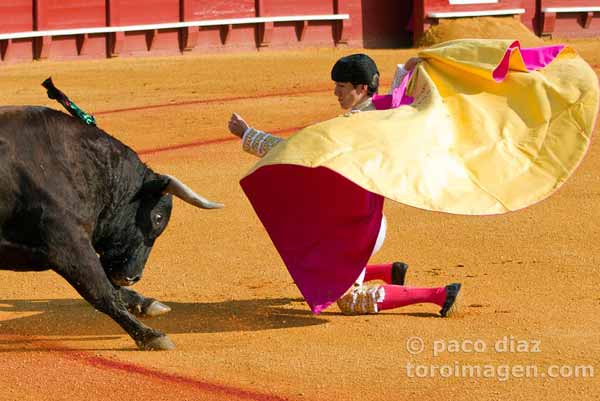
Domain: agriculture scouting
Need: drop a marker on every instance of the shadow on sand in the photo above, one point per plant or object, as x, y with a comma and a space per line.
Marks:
75, 317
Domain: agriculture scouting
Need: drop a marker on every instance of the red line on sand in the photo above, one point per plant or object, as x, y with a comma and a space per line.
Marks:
83, 357
218, 100
185, 145
195, 144
205, 101
212, 388
208, 101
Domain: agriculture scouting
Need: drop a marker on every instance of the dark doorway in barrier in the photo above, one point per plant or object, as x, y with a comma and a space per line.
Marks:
385, 23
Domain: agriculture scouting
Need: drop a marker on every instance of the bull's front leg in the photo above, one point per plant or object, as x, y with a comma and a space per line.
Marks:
73, 257
139, 305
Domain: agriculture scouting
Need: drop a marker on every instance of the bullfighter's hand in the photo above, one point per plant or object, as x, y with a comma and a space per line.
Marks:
412, 62
237, 125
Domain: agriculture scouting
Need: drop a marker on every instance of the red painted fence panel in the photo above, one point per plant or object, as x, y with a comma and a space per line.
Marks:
134, 12
221, 38
287, 7
223, 9
422, 8
444, 5
74, 14
16, 16
53, 14
568, 23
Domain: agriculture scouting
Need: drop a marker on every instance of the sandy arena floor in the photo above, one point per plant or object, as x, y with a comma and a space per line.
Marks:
241, 329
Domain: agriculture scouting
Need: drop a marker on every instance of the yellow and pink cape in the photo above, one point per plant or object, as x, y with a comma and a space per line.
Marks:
492, 128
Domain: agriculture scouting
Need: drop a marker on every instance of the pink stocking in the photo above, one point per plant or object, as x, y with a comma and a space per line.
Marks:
379, 272
397, 296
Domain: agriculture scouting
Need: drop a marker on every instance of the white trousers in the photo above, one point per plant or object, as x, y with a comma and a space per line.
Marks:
378, 244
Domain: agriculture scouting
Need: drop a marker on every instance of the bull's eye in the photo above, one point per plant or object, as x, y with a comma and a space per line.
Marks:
158, 218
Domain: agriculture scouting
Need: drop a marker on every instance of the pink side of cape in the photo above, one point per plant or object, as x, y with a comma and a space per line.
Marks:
397, 98
534, 58
323, 226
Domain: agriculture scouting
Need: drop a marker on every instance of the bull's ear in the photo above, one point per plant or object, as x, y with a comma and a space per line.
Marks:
155, 185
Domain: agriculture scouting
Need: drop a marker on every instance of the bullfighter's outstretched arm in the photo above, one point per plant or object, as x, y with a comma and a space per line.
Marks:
254, 141
259, 143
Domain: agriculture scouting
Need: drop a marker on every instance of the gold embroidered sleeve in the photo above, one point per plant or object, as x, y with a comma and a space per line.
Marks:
259, 143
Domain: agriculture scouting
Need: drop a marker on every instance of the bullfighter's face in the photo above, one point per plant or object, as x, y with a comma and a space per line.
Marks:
144, 219
350, 95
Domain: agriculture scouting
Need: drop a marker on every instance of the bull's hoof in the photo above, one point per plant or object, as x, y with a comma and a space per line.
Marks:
155, 309
162, 343
150, 308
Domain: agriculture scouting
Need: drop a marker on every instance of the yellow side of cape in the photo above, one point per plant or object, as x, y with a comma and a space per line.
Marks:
467, 144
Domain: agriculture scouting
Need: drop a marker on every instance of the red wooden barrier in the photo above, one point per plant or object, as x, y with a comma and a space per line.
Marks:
381, 23
134, 12
47, 15
215, 37
65, 15
284, 34
530, 18
446, 5
569, 18
16, 16
423, 10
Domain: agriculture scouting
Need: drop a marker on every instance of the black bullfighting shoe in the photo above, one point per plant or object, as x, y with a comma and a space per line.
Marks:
399, 272
450, 306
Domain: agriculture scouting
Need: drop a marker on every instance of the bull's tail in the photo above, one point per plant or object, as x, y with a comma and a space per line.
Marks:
60, 97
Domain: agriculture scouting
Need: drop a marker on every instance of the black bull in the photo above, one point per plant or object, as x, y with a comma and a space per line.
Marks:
76, 200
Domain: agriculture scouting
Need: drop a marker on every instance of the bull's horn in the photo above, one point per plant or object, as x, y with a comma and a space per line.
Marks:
185, 193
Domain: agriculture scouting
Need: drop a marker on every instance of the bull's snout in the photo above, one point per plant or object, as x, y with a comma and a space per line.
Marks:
127, 268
